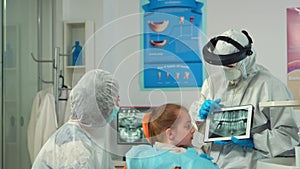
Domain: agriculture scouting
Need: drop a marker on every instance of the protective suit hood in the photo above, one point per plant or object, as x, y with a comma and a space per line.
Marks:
238, 52
93, 98
82, 141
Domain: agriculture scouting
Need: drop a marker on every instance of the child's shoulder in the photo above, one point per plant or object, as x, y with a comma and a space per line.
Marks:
140, 150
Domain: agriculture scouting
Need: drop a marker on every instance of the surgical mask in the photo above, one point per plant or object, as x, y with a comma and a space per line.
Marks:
235, 73
232, 74
114, 114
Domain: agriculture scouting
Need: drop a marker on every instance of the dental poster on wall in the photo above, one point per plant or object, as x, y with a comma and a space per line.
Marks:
172, 31
293, 51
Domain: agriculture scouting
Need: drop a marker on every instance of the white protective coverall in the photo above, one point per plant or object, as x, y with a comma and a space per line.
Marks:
274, 130
77, 144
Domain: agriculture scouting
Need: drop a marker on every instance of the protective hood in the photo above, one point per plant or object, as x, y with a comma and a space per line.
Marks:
237, 71
93, 98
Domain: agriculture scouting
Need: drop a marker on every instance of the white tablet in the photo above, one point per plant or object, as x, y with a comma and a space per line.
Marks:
228, 122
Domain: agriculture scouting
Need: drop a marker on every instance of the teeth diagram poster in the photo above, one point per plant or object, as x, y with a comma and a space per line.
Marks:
293, 50
172, 32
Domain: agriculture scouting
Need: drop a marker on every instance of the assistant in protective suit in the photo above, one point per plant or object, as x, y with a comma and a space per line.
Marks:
235, 79
78, 143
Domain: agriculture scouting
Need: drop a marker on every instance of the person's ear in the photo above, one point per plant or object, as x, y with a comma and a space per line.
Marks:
170, 134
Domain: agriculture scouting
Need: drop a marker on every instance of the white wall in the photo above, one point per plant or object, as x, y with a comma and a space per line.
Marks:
117, 39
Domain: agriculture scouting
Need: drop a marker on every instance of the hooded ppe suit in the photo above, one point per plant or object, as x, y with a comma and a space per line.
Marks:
76, 144
274, 130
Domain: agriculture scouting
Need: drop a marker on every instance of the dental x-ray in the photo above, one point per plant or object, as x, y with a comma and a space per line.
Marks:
228, 122
129, 124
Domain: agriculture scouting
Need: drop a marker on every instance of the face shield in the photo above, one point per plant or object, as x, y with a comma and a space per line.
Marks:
228, 54
229, 51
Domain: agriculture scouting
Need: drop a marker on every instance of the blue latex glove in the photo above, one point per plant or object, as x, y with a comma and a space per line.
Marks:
243, 142
206, 156
207, 107
240, 142
221, 142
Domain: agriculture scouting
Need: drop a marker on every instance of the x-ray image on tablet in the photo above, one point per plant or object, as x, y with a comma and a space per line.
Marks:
229, 121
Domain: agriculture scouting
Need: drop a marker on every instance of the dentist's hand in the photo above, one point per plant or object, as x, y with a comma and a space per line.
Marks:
243, 142
207, 107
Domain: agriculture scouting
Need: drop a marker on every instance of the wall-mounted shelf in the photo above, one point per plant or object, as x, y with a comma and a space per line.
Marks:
75, 67
76, 31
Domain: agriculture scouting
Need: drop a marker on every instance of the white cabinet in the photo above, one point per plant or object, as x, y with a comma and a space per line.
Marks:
82, 31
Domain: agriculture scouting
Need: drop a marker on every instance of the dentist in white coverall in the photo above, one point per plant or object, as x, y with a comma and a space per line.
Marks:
235, 79
80, 142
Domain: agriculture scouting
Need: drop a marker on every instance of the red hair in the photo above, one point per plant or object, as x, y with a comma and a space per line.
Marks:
161, 119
